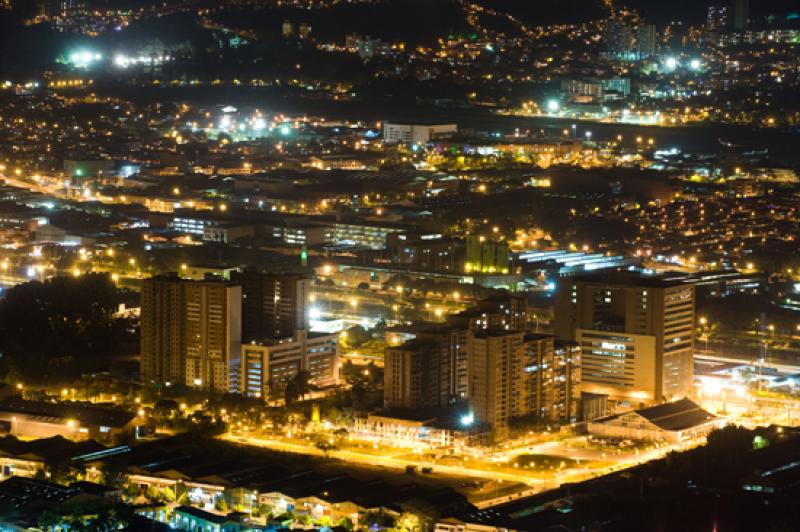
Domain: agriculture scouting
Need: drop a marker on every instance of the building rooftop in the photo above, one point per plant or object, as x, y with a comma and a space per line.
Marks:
85, 414
628, 278
53, 449
202, 514
678, 415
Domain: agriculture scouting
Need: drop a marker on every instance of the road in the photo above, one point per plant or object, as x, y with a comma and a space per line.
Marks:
781, 367
573, 448
390, 461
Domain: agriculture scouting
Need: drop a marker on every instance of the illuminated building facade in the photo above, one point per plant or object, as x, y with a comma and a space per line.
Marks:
364, 235
273, 363
483, 256
553, 377
636, 334
191, 332
498, 383
415, 133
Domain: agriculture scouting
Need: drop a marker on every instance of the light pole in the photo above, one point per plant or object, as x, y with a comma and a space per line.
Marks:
704, 331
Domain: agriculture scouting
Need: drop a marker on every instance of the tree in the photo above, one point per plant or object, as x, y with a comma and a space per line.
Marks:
325, 447
60, 325
355, 336
340, 434
297, 387
265, 510
346, 523
408, 522
222, 505
49, 520
64, 472
420, 515
377, 519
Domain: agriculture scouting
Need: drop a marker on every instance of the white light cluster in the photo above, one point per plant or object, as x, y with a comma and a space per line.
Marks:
125, 61
85, 58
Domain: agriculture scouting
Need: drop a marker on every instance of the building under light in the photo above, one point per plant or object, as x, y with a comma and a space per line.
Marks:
636, 333
267, 367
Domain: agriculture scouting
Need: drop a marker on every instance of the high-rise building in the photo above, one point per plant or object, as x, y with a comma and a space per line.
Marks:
445, 347
522, 375
486, 256
191, 332
645, 40
162, 336
553, 376
417, 374
269, 366
427, 371
273, 305
287, 28
738, 14
496, 371
636, 334
716, 19
65, 8
618, 37
499, 311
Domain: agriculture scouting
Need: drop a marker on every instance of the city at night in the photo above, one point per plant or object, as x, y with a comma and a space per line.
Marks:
400, 265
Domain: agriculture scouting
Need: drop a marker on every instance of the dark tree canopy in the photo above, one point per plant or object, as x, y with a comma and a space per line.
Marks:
56, 327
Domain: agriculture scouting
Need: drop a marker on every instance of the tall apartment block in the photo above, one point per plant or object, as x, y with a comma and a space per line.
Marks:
418, 374
273, 305
636, 334
502, 311
645, 40
191, 332
514, 374
162, 336
432, 369
738, 14
557, 382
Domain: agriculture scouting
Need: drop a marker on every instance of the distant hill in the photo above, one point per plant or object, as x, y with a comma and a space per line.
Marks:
412, 21
542, 12
660, 12
694, 11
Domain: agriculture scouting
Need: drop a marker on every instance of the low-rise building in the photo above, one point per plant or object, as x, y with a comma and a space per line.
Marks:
273, 363
674, 422
41, 419
417, 430
415, 133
